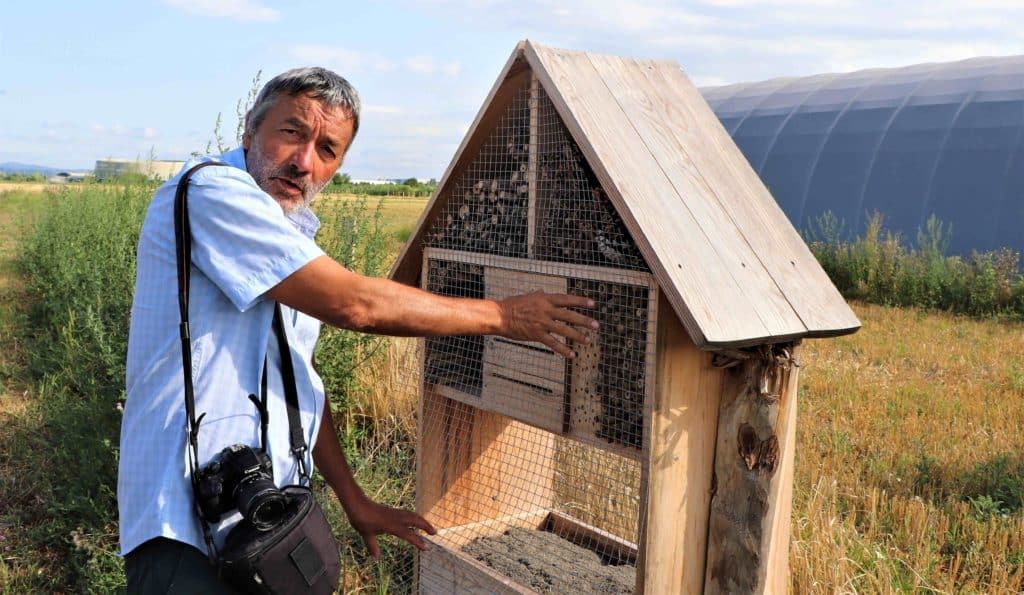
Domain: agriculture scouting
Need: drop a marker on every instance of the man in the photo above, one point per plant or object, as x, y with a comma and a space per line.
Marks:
253, 246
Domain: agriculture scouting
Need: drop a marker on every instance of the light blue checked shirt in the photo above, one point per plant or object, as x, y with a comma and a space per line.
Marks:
243, 245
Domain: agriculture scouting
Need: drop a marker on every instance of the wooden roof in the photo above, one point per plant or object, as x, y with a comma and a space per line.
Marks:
724, 254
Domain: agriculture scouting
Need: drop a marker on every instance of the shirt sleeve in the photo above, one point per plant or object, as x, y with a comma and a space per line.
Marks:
241, 238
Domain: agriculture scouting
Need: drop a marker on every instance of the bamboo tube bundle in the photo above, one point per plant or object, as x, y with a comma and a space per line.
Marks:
577, 223
621, 364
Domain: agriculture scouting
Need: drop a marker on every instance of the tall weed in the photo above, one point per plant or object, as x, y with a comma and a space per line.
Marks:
880, 267
77, 262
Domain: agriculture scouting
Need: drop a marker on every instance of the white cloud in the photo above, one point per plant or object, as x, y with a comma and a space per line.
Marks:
342, 60
237, 10
347, 61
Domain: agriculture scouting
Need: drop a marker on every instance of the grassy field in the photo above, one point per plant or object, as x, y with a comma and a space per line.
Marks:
909, 476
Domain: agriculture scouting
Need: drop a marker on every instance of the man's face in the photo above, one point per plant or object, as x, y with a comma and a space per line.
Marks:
297, 148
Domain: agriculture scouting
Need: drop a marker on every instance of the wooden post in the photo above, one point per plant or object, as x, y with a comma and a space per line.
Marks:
679, 462
748, 538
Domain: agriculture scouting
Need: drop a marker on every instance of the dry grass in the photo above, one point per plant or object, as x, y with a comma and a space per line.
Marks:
400, 212
392, 381
901, 427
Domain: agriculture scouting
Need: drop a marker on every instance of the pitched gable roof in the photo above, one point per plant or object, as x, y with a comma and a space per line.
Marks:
727, 259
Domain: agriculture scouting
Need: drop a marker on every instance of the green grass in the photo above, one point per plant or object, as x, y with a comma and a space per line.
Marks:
69, 271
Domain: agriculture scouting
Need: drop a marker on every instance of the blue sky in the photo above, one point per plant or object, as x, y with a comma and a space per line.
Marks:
81, 81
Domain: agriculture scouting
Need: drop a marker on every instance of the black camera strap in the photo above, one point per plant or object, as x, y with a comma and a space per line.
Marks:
183, 249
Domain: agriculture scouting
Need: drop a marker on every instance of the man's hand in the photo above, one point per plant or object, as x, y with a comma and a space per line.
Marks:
371, 519
543, 317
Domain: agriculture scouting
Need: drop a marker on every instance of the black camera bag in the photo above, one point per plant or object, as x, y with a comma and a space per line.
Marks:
298, 555
288, 558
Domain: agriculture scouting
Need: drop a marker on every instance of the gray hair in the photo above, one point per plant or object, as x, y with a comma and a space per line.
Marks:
318, 83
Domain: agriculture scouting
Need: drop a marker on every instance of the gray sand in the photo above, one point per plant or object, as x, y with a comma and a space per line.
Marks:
545, 562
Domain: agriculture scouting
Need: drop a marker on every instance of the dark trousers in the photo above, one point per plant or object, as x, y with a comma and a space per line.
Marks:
163, 565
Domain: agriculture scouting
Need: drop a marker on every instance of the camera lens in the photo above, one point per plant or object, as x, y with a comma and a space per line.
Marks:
262, 505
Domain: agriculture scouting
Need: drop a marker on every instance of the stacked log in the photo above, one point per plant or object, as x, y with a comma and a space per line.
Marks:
576, 221
621, 370
455, 361
487, 209
490, 218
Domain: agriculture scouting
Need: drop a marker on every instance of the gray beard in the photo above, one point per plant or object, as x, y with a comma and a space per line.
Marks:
262, 171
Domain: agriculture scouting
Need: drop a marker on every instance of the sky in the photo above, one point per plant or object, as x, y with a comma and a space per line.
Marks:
81, 81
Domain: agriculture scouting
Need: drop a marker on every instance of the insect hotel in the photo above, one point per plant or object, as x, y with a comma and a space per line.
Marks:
660, 458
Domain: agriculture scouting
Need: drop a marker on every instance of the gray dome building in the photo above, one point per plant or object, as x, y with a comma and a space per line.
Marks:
942, 139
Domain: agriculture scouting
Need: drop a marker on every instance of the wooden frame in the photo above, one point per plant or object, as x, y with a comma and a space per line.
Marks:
550, 404
728, 273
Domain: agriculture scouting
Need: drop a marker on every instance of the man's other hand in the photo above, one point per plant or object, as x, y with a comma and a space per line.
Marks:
544, 317
371, 519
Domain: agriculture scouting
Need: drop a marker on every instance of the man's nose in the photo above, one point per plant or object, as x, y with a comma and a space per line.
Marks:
302, 157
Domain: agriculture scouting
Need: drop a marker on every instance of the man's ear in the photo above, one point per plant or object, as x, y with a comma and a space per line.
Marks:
247, 132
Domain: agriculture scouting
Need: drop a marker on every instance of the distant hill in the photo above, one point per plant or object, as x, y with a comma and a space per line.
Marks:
11, 167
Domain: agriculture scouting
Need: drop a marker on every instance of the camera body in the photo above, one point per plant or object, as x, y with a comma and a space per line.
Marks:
240, 477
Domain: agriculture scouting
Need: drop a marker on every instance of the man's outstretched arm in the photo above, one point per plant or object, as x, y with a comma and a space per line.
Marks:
367, 517
328, 291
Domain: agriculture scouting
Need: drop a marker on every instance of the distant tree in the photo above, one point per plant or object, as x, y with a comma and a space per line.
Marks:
411, 182
341, 178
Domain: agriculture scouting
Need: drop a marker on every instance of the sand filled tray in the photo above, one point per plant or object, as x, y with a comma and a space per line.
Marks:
543, 552
548, 563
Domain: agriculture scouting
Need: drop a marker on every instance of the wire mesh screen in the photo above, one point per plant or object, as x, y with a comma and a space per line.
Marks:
528, 462
455, 361
486, 209
575, 220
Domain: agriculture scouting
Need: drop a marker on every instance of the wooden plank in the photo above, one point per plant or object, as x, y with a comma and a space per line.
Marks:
584, 399
531, 168
691, 272
753, 482
678, 469
455, 394
510, 81
501, 283
525, 402
744, 197
455, 538
444, 572
777, 565
597, 540
591, 439
669, 138
551, 269
524, 363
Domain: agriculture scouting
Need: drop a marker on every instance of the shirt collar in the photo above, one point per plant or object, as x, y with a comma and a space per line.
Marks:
304, 219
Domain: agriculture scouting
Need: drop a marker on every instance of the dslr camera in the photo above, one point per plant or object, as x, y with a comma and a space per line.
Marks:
240, 477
